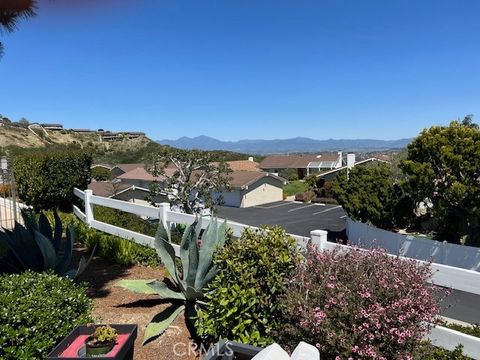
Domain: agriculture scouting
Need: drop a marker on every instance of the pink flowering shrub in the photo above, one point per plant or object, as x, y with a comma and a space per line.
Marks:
359, 305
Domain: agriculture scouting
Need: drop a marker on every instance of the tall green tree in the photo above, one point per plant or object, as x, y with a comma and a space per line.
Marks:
443, 171
193, 178
371, 195
12, 11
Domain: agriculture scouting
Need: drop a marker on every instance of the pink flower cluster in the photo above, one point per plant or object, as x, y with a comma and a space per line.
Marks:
360, 304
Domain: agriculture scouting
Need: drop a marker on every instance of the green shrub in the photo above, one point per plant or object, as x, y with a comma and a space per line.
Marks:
101, 174
243, 300
473, 330
306, 196
45, 179
289, 174
125, 220
115, 249
36, 311
427, 351
294, 187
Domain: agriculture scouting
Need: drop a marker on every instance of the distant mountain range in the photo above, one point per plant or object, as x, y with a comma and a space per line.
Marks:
282, 146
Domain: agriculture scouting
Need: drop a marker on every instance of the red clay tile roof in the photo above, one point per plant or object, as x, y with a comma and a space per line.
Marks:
295, 161
140, 173
243, 165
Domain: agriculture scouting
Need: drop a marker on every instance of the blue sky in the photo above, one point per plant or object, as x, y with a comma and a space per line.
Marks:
246, 69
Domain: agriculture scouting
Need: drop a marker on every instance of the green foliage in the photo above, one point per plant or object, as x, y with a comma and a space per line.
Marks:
38, 246
370, 195
427, 351
45, 180
443, 168
325, 189
115, 249
288, 174
105, 334
37, 311
306, 196
197, 177
294, 187
187, 284
125, 220
311, 181
243, 301
101, 174
473, 330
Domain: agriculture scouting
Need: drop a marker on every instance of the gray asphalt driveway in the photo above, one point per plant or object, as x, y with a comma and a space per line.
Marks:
296, 218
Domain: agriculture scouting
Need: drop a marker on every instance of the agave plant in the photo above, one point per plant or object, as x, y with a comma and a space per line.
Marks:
187, 283
38, 247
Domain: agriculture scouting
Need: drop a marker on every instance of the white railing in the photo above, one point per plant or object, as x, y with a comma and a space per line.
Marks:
444, 275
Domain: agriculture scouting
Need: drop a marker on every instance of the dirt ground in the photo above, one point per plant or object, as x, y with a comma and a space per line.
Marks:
115, 305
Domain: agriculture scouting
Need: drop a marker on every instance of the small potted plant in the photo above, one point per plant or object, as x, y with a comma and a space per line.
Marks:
102, 341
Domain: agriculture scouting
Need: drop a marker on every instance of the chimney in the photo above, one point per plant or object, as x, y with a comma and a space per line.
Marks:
350, 161
250, 158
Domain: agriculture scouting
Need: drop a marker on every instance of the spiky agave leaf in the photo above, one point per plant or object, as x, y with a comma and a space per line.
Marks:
166, 252
162, 321
213, 239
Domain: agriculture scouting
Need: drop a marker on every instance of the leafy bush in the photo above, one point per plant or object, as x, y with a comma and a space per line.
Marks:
370, 194
288, 174
101, 174
360, 304
324, 200
243, 301
37, 311
45, 180
306, 196
125, 220
115, 249
325, 188
294, 187
38, 246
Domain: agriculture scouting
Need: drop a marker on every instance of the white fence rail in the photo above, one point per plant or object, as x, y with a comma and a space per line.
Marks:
444, 275
415, 247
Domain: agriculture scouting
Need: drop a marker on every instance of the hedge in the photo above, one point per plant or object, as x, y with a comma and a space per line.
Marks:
45, 180
36, 311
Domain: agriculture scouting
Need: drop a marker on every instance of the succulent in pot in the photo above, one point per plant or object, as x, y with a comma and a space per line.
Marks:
102, 341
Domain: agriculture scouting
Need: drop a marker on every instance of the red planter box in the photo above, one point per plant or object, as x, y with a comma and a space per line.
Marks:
73, 346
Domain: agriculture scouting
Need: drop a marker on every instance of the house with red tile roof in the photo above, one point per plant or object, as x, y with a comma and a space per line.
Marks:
303, 164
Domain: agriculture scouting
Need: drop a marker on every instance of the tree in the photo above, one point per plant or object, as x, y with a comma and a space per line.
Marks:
24, 122
194, 178
371, 195
45, 179
12, 11
443, 171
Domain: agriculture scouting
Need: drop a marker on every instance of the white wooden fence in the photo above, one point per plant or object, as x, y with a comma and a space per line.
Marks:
444, 275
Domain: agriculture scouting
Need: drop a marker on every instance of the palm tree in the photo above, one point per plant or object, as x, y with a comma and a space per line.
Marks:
12, 11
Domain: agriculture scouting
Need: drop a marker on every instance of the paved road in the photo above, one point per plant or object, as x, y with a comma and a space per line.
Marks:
300, 219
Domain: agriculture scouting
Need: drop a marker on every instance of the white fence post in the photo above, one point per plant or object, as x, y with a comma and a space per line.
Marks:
319, 238
88, 207
164, 208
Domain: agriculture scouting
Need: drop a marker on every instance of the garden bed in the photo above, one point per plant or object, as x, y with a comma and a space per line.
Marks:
119, 306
